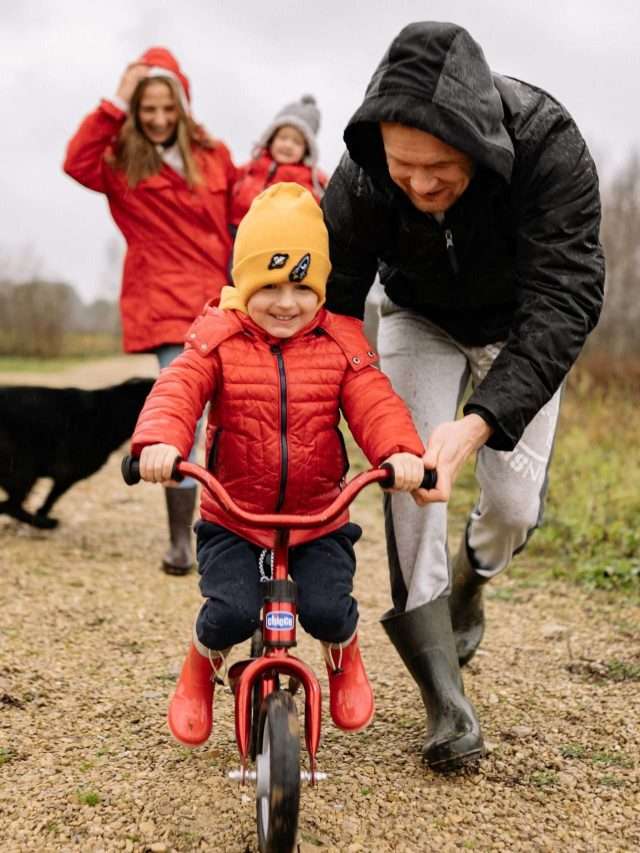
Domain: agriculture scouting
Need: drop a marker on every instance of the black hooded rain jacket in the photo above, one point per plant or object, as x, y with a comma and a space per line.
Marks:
517, 257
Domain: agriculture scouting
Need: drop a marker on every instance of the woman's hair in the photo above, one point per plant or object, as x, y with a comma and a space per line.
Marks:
138, 157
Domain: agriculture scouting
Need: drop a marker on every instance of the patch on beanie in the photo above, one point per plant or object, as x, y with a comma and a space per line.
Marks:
278, 261
301, 268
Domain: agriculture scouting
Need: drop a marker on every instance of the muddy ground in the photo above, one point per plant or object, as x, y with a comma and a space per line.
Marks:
92, 635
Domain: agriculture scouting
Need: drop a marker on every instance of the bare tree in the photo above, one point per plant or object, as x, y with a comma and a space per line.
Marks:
35, 317
618, 333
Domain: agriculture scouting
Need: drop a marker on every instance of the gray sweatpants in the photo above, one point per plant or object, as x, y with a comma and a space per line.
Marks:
430, 371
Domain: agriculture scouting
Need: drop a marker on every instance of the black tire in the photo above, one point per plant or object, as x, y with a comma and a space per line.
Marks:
256, 651
278, 774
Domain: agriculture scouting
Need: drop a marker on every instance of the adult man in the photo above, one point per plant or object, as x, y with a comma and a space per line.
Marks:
475, 197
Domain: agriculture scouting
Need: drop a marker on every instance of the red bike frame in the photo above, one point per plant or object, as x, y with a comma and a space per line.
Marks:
279, 631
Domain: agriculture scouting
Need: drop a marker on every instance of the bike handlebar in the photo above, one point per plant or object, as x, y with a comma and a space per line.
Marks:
385, 476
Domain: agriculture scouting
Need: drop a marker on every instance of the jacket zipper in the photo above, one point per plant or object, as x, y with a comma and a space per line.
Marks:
213, 452
345, 455
451, 251
284, 450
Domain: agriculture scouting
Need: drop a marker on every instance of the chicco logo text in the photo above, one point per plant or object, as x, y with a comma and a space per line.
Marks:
280, 620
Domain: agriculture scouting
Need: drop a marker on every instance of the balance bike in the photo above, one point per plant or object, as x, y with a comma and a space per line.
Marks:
266, 717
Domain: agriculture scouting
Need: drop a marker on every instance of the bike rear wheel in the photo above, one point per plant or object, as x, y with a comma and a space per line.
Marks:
278, 774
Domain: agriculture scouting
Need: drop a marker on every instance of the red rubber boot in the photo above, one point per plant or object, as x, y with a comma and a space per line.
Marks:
350, 696
190, 715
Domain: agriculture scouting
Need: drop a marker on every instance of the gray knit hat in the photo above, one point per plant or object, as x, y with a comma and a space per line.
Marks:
304, 115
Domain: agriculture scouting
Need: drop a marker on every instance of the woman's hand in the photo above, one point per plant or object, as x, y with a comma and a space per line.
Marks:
133, 74
156, 463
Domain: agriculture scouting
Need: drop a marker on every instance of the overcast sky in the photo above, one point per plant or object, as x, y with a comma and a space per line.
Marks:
245, 60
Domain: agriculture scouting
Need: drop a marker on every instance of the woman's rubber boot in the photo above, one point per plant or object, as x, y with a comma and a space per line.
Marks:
424, 640
180, 505
465, 604
350, 695
190, 715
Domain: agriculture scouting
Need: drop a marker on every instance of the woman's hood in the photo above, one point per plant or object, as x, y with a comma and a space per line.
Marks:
433, 77
160, 58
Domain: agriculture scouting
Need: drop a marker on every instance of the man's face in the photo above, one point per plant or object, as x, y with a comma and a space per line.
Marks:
431, 173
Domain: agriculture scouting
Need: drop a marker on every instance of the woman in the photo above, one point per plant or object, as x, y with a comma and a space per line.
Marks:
168, 185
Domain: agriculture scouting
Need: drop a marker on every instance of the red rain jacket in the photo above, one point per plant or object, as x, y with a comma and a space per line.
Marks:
258, 174
178, 242
272, 438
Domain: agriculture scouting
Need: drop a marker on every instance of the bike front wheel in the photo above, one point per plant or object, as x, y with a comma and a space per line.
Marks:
256, 651
278, 774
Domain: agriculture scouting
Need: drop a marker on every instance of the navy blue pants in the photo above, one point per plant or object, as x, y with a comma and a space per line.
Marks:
230, 581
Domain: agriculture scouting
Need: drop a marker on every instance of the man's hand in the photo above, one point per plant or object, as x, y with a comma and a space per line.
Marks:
156, 463
448, 449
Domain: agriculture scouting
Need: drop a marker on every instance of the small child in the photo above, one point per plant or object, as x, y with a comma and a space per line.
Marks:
277, 369
286, 151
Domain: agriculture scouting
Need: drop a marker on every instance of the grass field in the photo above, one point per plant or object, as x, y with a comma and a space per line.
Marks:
592, 525
50, 357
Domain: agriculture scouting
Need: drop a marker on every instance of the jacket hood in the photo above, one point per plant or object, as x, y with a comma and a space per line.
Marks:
433, 77
161, 58
304, 115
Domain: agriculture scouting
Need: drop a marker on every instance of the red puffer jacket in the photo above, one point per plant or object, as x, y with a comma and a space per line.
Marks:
258, 174
178, 241
273, 439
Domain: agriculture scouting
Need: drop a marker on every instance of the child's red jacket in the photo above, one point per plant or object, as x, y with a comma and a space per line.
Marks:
263, 171
272, 437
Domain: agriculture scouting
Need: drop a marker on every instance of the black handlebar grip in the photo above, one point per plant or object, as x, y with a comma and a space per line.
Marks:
388, 482
429, 480
130, 468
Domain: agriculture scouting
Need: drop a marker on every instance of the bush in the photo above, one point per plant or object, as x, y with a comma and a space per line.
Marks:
41, 319
34, 317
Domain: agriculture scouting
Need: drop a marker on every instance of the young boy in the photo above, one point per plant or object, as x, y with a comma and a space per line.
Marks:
286, 151
277, 369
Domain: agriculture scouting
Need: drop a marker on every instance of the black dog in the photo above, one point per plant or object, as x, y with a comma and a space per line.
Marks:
62, 433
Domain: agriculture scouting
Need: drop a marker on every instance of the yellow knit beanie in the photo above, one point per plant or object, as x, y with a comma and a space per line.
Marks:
282, 238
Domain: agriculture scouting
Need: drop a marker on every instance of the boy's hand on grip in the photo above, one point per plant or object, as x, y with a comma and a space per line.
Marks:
408, 469
156, 463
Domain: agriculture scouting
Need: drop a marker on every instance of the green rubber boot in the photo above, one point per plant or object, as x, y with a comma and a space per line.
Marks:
424, 640
466, 605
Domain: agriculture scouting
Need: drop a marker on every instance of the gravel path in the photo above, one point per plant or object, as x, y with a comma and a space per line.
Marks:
92, 636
